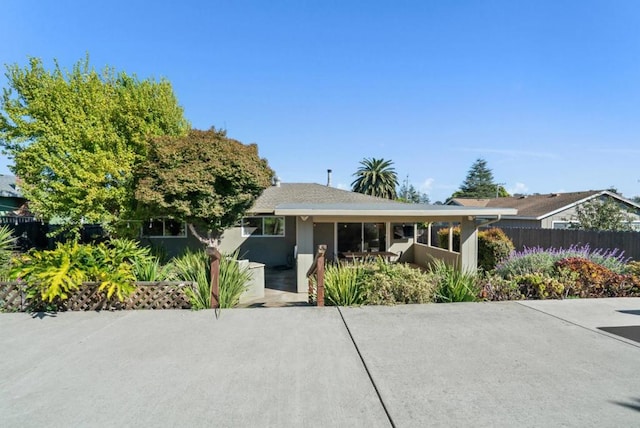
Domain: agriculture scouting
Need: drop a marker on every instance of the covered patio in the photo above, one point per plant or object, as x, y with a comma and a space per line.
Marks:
383, 227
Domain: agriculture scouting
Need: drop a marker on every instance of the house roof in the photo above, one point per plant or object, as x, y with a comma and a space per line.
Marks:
468, 202
9, 187
540, 206
309, 193
310, 199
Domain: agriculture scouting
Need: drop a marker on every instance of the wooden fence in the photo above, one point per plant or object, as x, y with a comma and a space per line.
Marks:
147, 295
629, 242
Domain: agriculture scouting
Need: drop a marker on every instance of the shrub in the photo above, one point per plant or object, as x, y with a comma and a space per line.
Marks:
344, 284
453, 284
55, 274
195, 266
540, 286
234, 280
539, 260
493, 245
495, 288
52, 273
594, 280
7, 244
633, 268
389, 284
150, 269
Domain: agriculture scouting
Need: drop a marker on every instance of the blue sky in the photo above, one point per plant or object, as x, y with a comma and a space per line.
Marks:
548, 92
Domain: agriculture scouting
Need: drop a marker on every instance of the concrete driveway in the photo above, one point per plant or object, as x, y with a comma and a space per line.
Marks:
470, 364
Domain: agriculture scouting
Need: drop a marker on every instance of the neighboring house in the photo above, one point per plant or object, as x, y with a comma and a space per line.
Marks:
551, 211
289, 220
13, 206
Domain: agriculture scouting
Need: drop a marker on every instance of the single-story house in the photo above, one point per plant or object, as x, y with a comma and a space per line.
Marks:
549, 211
289, 220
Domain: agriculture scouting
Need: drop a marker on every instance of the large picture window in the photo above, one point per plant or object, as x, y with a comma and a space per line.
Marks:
164, 228
266, 226
355, 237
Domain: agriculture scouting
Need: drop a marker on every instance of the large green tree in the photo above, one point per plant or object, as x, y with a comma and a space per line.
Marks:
376, 177
602, 214
76, 136
203, 178
479, 183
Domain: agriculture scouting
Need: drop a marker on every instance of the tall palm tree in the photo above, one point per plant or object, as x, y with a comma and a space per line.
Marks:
376, 177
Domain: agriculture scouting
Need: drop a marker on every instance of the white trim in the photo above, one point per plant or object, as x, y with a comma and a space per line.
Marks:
588, 198
405, 213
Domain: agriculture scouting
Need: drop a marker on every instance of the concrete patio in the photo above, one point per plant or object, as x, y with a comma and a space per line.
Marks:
280, 291
470, 364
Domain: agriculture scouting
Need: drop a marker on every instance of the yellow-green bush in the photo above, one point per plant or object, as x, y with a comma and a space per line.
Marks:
493, 245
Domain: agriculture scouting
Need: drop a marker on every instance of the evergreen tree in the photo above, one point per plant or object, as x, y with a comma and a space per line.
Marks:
479, 183
408, 193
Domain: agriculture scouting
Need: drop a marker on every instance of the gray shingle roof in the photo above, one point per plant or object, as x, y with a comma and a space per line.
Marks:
309, 193
8, 187
536, 206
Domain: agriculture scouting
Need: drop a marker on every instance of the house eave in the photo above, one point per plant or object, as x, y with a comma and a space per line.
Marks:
404, 211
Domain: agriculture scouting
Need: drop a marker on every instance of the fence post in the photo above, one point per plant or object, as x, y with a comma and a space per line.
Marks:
215, 276
320, 275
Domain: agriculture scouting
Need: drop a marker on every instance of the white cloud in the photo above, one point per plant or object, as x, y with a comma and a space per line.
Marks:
342, 186
427, 185
518, 188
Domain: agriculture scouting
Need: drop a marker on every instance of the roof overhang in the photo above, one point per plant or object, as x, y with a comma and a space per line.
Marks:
392, 211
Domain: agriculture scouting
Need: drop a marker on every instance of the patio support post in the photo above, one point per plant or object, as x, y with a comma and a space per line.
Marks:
450, 237
304, 243
468, 245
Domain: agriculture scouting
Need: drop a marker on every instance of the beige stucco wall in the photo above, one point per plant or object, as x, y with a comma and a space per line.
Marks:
324, 234
305, 253
423, 255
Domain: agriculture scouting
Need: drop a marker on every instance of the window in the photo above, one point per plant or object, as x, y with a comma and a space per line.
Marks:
356, 237
563, 224
403, 231
164, 228
267, 226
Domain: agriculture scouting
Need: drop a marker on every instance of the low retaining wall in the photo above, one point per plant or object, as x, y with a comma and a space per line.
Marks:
423, 255
147, 295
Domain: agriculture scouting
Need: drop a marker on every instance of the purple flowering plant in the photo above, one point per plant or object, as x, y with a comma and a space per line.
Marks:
540, 260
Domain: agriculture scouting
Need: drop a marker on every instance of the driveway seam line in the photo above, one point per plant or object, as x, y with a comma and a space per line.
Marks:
366, 368
601, 333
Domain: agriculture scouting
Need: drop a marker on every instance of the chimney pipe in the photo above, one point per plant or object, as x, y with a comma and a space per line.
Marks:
328, 178
276, 181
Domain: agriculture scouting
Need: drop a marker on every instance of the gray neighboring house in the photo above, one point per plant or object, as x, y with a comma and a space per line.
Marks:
549, 211
289, 220
13, 206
